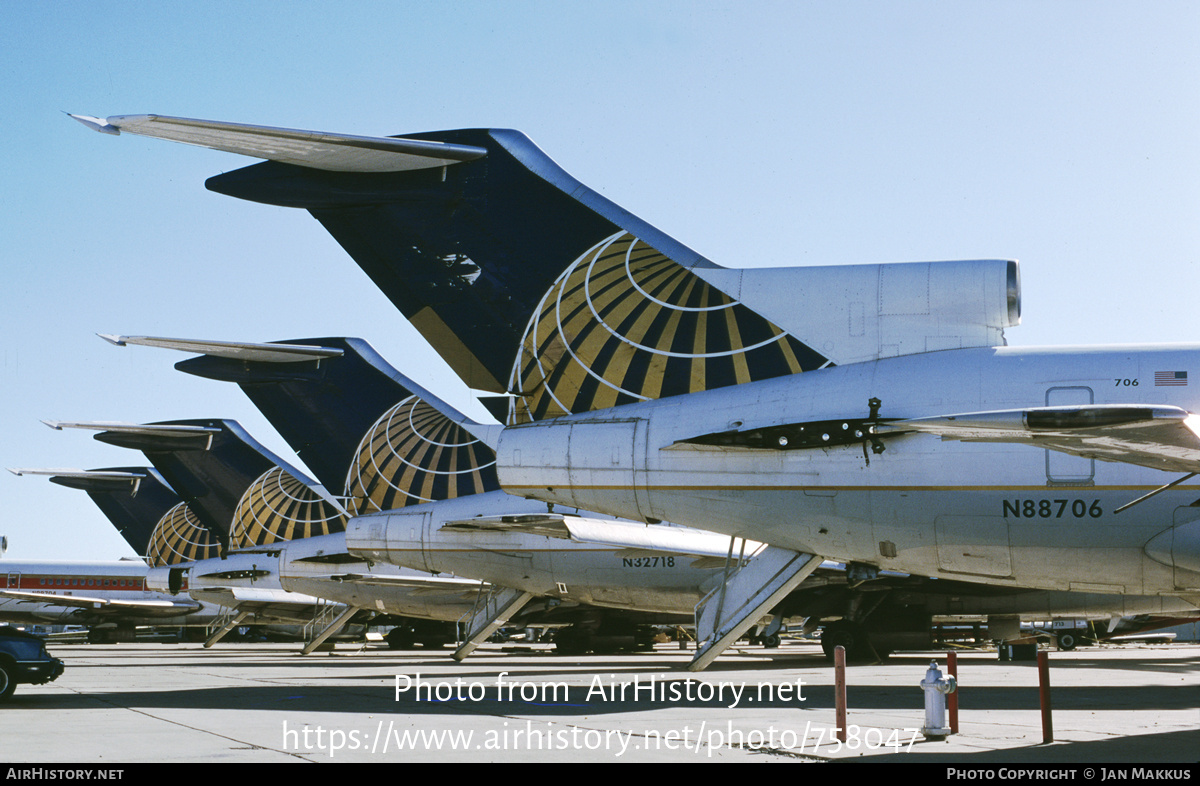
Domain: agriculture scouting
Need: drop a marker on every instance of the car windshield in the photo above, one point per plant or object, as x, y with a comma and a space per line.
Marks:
25, 649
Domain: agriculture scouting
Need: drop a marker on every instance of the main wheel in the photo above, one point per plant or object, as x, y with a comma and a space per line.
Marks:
849, 635
839, 634
400, 638
572, 642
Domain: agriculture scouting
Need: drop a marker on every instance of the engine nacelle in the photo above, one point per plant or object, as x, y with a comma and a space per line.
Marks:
855, 313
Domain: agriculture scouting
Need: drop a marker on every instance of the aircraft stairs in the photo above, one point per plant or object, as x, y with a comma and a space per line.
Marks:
328, 619
749, 590
494, 606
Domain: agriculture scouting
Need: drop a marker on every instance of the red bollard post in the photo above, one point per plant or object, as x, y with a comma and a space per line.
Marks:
952, 699
839, 690
1044, 694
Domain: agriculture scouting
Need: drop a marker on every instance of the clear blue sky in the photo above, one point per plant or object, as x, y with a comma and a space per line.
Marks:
1064, 134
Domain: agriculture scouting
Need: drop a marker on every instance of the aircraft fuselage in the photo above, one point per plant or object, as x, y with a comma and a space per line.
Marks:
1000, 513
89, 593
594, 573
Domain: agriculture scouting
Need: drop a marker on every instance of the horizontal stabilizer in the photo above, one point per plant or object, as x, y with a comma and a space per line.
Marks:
99, 476
355, 350
213, 464
311, 149
134, 499
235, 350
133, 428
1159, 437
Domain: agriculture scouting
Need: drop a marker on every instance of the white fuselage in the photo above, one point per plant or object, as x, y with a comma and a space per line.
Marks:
649, 580
1008, 514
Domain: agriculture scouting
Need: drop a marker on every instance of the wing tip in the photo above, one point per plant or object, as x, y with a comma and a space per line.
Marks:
96, 124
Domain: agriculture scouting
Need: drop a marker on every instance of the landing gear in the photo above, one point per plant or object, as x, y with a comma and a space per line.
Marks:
400, 639
105, 635
572, 641
606, 639
854, 638
1068, 641
842, 633
429, 634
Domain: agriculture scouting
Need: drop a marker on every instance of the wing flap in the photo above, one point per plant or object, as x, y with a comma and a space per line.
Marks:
312, 149
644, 539
549, 525
277, 604
657, 538
1160, 437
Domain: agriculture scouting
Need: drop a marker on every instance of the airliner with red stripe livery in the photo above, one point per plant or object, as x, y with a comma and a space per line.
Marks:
110, 596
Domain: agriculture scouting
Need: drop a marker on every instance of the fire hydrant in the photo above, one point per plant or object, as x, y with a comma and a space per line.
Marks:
936, 689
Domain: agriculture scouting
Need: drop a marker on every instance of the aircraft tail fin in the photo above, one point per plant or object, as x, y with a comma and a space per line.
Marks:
531, 284
243, 493
134, 499
364, 428
147, 513
471, 250
469, 253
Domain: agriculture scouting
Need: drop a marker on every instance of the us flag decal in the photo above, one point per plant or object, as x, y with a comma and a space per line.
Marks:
1170, 378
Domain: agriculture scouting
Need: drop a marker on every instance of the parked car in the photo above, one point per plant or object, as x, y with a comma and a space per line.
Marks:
23, 659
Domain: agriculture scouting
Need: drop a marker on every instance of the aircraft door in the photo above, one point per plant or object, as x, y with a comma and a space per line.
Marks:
976, 545
1063, 469
420, 530
601, 456
14, 581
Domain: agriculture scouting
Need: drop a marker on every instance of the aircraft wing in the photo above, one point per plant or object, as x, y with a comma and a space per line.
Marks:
164, 608
312, 149
420, 584
279, 604
1160, 437
644, 539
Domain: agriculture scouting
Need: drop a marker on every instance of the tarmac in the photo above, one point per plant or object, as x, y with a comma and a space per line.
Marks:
264, 703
